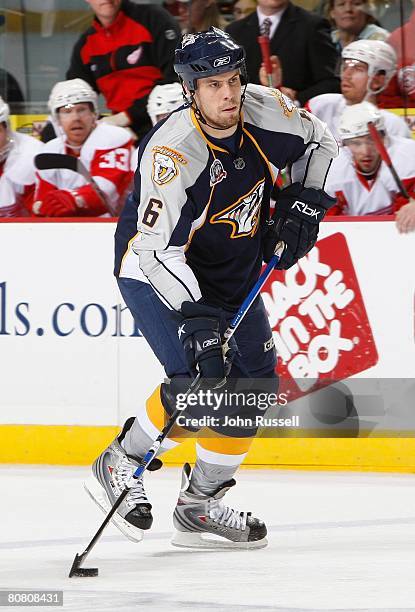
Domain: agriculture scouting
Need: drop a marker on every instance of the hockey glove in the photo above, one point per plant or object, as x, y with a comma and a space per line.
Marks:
56, 203
295, 221
200, 334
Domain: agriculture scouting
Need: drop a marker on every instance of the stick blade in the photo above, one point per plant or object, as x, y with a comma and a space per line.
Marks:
82, 572
53, 161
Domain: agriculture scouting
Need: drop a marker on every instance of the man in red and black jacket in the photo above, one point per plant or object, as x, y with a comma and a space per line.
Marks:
126, 51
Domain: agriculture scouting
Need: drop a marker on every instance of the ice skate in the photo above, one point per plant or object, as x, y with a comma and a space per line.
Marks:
203, 521
111, 472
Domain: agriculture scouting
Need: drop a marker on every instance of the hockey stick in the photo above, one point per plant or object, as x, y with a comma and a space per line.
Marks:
385, 157
76, 569
62, 161
266, 57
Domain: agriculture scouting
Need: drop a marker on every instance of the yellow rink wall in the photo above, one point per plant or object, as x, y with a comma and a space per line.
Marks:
79, 445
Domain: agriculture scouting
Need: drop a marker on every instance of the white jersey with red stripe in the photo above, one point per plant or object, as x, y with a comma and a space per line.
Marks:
106, 155
358, 196
329, 107
17, 175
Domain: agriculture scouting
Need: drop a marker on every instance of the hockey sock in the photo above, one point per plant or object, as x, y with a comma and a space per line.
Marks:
149, 422
217, 461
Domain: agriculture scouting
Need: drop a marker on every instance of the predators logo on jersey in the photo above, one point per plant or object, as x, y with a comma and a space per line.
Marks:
285, 102
243, 216
165, 164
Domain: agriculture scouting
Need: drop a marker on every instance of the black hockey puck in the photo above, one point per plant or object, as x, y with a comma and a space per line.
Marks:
84, 572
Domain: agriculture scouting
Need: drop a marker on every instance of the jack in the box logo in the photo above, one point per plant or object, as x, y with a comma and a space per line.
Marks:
320, 325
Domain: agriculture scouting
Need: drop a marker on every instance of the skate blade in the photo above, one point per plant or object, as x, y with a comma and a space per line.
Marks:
99, 496
207, 540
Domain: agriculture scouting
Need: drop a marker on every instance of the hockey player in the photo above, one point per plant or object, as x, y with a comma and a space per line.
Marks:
17, 171
200, 206
361, 182
163, 100
366, 69
105, 151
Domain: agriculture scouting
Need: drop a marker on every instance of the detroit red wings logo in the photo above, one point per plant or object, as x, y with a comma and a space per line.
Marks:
243, 215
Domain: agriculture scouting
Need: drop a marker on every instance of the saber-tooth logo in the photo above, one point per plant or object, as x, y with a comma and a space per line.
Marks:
305, 209
243, 215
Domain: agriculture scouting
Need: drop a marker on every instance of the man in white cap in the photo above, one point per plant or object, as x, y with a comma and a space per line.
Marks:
360, 180
366, 69
17, 172
105, 151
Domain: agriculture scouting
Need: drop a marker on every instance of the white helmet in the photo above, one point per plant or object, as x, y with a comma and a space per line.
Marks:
4, 111
377, 54
4, 118
163, 100
74, 91
354, 120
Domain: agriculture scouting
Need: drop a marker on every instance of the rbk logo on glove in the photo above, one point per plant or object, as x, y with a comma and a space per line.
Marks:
210, 342
305, 209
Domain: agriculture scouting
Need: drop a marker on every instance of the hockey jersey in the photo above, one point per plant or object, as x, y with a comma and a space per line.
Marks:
329, 107
357, 196
194, 225
106, 155
17, 176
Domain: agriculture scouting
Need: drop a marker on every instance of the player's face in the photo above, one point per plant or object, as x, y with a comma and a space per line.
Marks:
77, 121
364, 153
105, 9
219, 99
354, 79
349, 15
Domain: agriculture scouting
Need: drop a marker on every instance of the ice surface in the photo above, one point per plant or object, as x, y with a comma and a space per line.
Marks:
337, 541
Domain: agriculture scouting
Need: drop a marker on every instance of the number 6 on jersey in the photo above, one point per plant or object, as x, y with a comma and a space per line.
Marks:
152, 212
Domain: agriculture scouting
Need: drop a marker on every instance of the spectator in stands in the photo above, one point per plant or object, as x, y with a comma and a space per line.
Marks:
242, 8
105, 151
301, 41
401, 90
360, 180
366, 69
199, 15
354, 20
127, 50
17, 172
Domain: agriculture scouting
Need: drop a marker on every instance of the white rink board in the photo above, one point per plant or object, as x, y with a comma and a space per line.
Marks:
57, 277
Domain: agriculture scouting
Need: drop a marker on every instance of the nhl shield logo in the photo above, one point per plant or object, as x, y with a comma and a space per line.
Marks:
217, 172
243, 216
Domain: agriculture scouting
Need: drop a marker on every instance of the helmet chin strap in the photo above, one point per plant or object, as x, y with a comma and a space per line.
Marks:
373, 92
192, 102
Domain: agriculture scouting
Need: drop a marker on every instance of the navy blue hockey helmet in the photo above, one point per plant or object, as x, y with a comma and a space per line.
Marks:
206, 54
